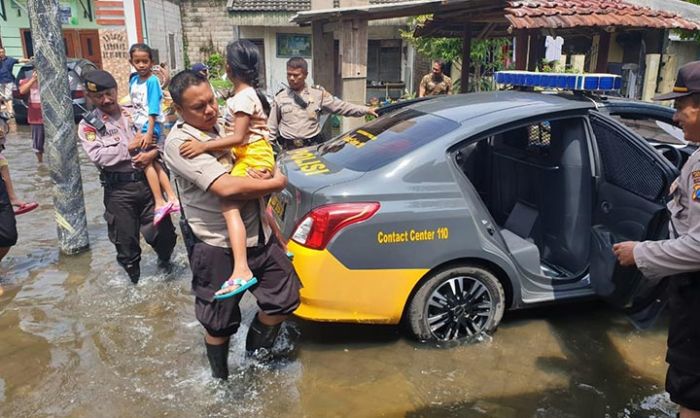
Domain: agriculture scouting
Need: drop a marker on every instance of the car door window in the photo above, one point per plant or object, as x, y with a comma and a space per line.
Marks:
650, 129
625, 165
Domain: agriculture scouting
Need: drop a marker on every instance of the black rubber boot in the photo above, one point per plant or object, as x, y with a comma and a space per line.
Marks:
260, 339
166, 265
134, 272
218, 359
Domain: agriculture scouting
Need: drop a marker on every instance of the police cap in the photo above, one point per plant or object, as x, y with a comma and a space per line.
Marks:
687, 82
98, 80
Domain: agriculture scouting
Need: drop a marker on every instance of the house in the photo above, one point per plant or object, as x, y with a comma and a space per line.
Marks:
209, 26
102, 31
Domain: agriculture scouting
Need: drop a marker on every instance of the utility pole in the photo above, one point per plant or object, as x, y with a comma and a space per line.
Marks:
61, 134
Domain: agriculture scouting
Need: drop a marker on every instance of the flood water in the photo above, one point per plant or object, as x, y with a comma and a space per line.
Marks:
78, 340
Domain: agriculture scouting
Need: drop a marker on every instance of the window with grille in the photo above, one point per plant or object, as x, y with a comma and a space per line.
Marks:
626, 166
539, 138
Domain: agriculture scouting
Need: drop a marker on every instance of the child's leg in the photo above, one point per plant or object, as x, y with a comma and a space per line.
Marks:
38, 142
5, 173
237, 236
154, 184
164, 182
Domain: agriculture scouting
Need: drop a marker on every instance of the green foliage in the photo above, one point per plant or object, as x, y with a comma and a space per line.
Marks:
447, 49
555, 67
486, 55
689, 34
215, 62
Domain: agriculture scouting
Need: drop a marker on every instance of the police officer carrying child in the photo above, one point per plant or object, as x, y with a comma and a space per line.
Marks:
678, 258
296, 110
203, 181
105, 134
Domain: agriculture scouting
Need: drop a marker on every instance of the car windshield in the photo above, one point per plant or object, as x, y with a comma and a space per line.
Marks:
385, 139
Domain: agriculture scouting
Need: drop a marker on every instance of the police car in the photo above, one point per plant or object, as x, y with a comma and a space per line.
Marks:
446, 212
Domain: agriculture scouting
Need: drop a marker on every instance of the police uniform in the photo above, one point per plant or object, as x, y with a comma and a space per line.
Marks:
128, 201
294, 116
433, 87
277, 291
679, 257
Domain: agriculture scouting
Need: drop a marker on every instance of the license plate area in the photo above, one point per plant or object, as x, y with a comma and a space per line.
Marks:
278, 207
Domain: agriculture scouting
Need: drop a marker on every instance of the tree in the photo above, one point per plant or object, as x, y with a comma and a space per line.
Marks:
689, 34
486, 55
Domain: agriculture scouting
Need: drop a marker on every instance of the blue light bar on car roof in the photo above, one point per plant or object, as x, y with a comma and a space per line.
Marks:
585, 82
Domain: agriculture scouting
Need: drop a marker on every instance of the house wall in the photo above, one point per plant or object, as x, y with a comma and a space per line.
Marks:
209, 26
163, 19
10, 29
206, 25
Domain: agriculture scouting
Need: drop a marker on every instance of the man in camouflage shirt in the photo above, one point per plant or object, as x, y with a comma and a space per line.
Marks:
436, 82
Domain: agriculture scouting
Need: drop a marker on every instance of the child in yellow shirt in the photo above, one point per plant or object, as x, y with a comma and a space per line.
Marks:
247, 113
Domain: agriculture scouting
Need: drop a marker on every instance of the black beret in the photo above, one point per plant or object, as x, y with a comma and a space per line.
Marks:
98, 80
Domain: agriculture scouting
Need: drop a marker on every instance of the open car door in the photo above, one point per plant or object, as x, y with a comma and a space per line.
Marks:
632, 182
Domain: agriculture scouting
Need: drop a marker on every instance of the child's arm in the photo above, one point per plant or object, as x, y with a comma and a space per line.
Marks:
154, 97
191, 149
25, 86
147, 137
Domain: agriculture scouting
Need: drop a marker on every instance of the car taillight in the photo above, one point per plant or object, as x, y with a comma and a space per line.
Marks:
319, 226
78, 94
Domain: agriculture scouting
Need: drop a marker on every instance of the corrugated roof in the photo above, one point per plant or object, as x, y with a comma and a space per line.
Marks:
268, 5
534, 14
283, 5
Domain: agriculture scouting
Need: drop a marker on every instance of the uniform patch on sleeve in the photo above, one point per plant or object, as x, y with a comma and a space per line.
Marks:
90, 133
696, 193
696, 176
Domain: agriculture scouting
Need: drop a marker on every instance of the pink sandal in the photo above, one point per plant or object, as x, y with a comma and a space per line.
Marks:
162, 213
26, 207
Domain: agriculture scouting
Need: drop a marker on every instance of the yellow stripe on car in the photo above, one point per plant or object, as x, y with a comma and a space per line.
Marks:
333, 292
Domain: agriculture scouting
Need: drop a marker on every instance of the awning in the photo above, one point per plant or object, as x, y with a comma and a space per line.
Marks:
383, 11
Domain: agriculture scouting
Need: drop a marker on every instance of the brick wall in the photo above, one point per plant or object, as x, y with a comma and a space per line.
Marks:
205, 23
162, 20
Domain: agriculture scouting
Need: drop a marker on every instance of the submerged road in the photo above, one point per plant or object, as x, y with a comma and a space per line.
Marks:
78, 340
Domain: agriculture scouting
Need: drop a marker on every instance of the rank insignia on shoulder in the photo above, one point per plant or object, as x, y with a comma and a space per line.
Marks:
696, 193
696, 176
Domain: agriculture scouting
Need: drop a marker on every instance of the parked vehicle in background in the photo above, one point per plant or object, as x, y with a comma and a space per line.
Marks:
76, 67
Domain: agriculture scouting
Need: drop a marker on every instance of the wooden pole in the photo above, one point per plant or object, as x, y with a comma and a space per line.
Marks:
466, 57
603, 52
61, 134
521, 49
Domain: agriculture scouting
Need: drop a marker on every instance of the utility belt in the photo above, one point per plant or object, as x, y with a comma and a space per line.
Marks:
116, 177
288, 144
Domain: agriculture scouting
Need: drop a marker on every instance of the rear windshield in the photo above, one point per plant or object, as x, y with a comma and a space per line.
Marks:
385, 140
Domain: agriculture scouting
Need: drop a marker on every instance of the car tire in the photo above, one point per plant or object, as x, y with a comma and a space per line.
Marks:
456, 304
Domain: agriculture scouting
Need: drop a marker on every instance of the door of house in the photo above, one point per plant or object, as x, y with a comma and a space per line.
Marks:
90, 46
72, 43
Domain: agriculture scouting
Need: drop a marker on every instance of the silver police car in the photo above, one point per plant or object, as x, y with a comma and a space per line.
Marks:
447, 212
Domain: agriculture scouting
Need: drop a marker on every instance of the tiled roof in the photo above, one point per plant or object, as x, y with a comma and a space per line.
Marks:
268, 5
533, 14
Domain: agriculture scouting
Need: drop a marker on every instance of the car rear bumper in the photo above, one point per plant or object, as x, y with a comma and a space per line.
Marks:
334, 293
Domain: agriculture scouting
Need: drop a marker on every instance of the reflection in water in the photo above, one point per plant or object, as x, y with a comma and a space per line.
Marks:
77, 339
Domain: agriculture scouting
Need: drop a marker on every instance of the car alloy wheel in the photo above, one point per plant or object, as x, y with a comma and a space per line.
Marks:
458, 303
458, 308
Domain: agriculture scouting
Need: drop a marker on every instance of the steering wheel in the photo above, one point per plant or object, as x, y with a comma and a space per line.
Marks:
672, 154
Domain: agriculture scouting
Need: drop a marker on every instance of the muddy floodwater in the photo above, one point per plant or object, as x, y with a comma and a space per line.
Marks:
78, 340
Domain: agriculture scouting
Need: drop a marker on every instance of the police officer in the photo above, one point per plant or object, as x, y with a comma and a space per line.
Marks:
105, 134
296, 110
203, 181
436, 82
679, 256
